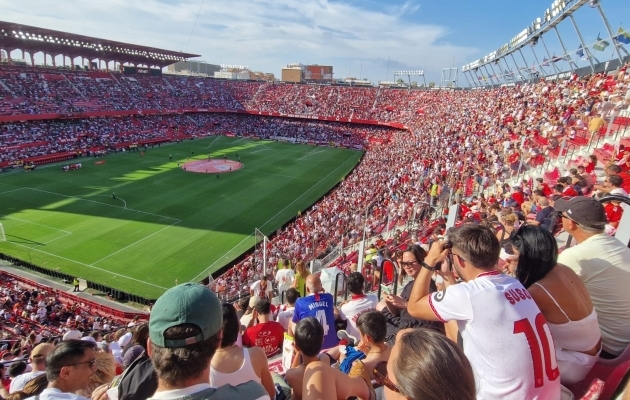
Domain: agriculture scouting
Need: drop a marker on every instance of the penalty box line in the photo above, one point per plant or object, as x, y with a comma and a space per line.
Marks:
105, 204
90, 266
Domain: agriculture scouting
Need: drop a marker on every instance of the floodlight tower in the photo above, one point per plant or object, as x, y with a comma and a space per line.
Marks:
409, 74
449, 77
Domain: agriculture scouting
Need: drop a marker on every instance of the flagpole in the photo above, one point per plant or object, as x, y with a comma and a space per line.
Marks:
526, 68
586, 50
518, 70
553, 65
601, 12
545, 74
564, 49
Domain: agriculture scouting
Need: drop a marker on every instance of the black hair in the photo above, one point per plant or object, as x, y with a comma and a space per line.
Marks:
615, 180
65, 354
374, 324
17, 368
231, 325
309, 336
478, 243
291, 295
538, 253
263, 306
355, 283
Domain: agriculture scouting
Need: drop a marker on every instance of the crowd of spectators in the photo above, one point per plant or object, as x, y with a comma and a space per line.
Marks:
459, 143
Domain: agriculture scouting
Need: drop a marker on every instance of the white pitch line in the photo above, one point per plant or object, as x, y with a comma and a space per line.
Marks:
312, 153
50, 241
35, 223
89, 266
124, 202
14, 190
106, 204
136, 242
308, 190
283, 176
218, 259
211, 143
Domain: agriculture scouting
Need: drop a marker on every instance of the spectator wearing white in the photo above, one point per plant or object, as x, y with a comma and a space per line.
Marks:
284, 277
603, 263
494, 313
261, 288
69, 367
285, 316
563, 300
37, 359
350, 310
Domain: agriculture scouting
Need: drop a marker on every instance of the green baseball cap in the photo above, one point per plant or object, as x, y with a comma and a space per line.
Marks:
188, 303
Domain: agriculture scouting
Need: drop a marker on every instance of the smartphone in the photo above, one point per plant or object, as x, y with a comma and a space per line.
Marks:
385, 290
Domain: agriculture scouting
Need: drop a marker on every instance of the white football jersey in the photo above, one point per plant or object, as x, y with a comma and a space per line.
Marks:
506, 337
354, 308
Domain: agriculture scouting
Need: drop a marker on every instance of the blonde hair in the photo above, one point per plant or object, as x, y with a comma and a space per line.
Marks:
300, 268
510, 219
105, 373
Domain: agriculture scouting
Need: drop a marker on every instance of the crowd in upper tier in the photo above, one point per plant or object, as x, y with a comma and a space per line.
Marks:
459, 143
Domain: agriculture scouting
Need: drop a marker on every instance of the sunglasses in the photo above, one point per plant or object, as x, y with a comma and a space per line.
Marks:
380, 375
408, 263
90, 363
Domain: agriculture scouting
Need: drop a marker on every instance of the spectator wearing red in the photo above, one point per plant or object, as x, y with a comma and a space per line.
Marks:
517, 195
544, 187
267, 334
625, 176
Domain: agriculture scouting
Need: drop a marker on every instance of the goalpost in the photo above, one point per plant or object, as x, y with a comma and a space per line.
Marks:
3, 237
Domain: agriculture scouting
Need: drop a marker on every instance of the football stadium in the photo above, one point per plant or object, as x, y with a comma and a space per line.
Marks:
458, 239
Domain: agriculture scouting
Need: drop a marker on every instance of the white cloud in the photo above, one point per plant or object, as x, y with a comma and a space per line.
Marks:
263, 34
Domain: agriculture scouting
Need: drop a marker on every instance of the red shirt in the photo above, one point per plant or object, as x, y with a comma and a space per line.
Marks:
267, 335
613, 213
626, 180
590, 167
518, 197
514, 157
546, 190
569, 191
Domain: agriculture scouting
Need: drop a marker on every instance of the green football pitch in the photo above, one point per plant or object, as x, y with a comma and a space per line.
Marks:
165, 223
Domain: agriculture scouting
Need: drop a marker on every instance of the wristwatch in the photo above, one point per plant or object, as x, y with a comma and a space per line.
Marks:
427, 266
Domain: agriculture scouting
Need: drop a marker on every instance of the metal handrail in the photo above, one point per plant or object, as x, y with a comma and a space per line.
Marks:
380, 279
337, 286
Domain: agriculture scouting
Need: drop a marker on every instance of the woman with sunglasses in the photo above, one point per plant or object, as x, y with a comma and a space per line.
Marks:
395, 307
562, 298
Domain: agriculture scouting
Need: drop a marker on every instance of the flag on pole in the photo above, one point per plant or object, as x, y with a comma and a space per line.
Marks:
556, 59
545, 62
622, 36
601, 44
580, 52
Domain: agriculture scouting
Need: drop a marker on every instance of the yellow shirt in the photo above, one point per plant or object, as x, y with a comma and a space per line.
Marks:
596, 124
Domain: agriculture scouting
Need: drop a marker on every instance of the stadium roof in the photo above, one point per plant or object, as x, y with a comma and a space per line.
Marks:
32, 39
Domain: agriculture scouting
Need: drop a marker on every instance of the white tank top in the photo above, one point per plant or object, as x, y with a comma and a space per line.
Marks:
244, 374
580, 335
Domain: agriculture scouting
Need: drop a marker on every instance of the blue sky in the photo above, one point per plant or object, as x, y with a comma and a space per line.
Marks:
357, 37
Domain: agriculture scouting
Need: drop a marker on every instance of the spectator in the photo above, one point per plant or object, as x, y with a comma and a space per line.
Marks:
309, 335
284, 277
37, 359
350, 310
285, 316
319, 305
104, 373
395, 307
603, 263
185, 330
488, 308
300, 278
262, 289
563, 300
266, 334
424, 365
544, 216
69, 367
33, 387
232, 364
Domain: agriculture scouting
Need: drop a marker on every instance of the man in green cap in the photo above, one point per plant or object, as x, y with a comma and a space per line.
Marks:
185, 330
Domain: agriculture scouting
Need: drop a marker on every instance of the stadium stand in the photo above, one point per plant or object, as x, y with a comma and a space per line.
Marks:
482, 149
